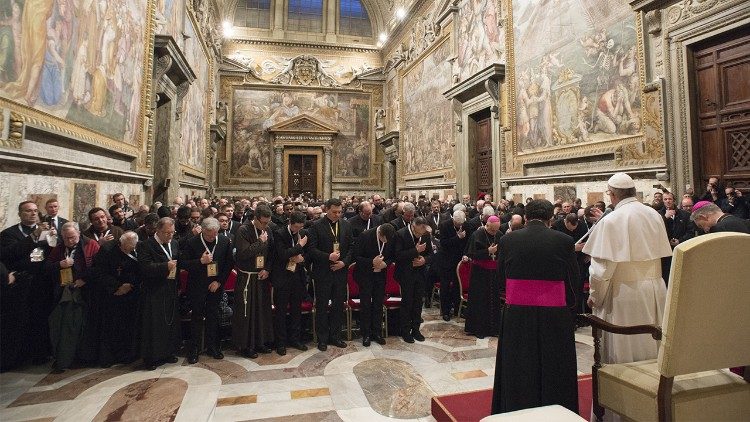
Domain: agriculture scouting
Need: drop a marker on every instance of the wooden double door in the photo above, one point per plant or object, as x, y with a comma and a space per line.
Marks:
722, 76
303, 175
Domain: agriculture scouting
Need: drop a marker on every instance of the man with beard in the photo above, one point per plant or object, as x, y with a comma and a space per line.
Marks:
100, 230
252, 325
373, 252
160, 320
207, 257
119, 219
536, 356
74, 323
364, 220
413, 250
119, 278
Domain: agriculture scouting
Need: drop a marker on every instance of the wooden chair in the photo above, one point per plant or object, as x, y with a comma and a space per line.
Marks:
705, 330
463, 272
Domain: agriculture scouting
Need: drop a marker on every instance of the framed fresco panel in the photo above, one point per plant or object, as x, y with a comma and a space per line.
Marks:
169, 18
426, 124
79, 68
479, 36
84, 198
195, 131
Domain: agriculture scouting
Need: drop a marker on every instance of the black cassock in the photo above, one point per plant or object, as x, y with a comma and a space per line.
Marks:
119, 315
483, 318
160, 316
536, 357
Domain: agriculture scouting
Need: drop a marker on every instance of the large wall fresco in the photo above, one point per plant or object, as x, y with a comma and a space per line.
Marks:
255, 110
576, 72
194, 107
479, 37
426, 123
169, 16
78, 60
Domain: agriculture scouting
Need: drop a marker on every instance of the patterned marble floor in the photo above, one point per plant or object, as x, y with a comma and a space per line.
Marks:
395, 381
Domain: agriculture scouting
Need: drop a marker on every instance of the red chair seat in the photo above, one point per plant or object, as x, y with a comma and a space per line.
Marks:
231, 281
183, 282
394, 302
307, 306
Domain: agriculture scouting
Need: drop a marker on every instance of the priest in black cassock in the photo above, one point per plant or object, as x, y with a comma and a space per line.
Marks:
252, 324
160, 317
120, 281
364, 220
484, 293
413, 250
453, 239
373, 252
536, 356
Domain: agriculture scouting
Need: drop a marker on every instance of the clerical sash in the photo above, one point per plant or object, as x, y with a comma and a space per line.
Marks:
550, 293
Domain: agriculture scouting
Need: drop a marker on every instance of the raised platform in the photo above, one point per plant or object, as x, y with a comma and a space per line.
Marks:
474, 405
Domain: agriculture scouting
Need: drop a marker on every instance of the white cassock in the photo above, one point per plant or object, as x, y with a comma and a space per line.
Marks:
626, 285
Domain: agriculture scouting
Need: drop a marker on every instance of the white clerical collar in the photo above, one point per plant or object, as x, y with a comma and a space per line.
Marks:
626, 201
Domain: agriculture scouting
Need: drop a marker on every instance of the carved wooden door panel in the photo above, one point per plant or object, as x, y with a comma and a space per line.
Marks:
722, 70
303, 174
484, 155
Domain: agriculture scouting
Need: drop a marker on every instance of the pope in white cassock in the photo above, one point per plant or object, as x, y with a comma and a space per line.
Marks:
627, 288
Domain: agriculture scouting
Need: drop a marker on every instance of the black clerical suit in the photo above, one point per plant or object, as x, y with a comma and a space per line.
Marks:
119, 313
399, 223
411, 278
288, 281
28, 333
730, 223
203, 302
677, 228
451, 250
160, 316
359, 225
536, 356
329, 285
371, 283
436, 223
473, 224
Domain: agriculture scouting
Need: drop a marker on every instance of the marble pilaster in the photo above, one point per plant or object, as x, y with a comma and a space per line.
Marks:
327, 172
277, 169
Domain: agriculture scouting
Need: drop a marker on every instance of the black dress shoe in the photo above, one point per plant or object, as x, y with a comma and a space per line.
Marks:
418, 336
263, 349
408, 339
171, 359
379, 340
250, 353
56, 370
322, 347
281, 350
366, 341
192, 358
151, 366
299, 346
447, 317
338, 343
216, 354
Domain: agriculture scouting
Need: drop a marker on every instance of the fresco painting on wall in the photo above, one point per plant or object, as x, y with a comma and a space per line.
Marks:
479, 37
84, 194
40, 199
576, 72
426, 126
194, 107
256, 110
81, 61
169, 15
392, 112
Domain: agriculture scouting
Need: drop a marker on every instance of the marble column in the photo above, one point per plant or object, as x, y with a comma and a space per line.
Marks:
330, 21
278, 20
392, 178
278, 165
327, 172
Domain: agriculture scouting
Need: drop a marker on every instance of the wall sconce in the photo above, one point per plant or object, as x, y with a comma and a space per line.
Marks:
459, 127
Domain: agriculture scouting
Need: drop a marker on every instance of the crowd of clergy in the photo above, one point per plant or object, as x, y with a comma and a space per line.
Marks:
121, 289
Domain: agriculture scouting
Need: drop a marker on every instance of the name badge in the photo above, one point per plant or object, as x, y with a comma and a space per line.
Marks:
66, 276
260, 262
291, 266
335, 246
172, 274
211, 270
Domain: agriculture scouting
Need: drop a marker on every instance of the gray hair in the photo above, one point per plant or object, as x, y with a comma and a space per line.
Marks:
129, 238
164, 221
488, 211
70, 225
705, 211
459, 216
459, 207
210, 224
409, 207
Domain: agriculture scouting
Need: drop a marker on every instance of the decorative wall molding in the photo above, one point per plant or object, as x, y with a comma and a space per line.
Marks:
305, 70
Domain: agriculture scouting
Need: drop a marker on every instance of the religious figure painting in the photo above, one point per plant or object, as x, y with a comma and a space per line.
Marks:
78, 60
426, 121
194, 107
254, 111
84, 194
169, 16
392, 112
576, 72
479, 37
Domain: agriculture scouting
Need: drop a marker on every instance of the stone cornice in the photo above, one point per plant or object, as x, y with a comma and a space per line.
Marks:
649, 5
306, 45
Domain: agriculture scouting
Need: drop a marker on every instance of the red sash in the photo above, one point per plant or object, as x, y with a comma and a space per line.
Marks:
535, 292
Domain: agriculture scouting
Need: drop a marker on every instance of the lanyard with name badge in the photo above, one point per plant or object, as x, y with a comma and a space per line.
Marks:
335, 237
211, 270
96, 236
291, 265
381, 246
260, 260
173, 272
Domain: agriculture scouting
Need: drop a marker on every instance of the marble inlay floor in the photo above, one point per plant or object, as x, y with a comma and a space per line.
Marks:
394, 381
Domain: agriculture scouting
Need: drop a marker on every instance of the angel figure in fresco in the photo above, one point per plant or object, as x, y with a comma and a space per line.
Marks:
284, 111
